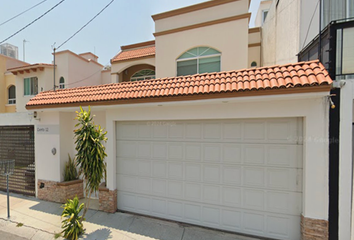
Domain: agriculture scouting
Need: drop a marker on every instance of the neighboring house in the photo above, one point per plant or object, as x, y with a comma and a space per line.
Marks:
291, 33
198, 36
8, 83
71, 70
262, 12
193, 139
19, 82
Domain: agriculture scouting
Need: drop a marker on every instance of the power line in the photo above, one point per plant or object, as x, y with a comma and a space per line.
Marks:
32, 22
308, 29
86, 24
22, 13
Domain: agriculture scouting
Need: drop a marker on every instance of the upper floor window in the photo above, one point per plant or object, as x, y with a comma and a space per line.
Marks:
144, 74
12, 95
254, 64
198, 60
264, 15
61, 83
31, 86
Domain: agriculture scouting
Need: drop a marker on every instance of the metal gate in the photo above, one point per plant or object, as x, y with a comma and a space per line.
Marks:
17, 142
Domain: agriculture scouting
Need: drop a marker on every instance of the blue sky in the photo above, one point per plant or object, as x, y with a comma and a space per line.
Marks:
124, 22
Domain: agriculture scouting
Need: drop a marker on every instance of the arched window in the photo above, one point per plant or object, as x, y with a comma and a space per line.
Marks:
12, 95
254, 64
61, 83
144, 74
198, 60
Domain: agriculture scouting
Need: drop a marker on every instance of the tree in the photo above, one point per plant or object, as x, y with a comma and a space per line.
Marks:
90, 152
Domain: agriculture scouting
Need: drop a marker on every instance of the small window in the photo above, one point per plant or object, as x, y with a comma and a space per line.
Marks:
198, 60
144, 74
264, 15
61, 83
30, 86
12, 95
254, 64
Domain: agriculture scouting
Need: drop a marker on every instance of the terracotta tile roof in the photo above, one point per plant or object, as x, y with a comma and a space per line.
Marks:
284, 79
134, 53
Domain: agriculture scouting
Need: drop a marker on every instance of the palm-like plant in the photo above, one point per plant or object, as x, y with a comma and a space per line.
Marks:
90, 152
72, 224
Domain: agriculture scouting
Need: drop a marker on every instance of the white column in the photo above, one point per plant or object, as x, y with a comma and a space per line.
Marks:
345, 160
111, 153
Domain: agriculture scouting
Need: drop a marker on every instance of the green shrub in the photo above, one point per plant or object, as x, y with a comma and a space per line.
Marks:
72, 224
70, 172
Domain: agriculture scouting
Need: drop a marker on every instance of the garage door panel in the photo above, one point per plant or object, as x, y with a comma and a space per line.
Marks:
211, 194
193, 191
143, 168
159, 187
212, 152
175, 170
211, 216
126, 149
193, 152
192, 213
253, 199
176, 131
175, 190
237, 175
143, 204
193, 131
144, 185
127, 131
159, 207
254, 154
193, 172
143, 150
284, 155
232, 153
211, 173
159, 150
159, 169
282, 179
232, 175
283, 202
253, 177
282, 227
232, 131
175, 151
232, 197
212, 131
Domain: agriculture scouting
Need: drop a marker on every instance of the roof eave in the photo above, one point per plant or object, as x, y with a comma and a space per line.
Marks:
190, 97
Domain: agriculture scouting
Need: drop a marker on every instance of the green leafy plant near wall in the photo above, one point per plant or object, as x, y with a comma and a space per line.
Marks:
72, 224
70, 172
90, 152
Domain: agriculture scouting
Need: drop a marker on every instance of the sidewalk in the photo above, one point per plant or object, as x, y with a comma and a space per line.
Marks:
41, 220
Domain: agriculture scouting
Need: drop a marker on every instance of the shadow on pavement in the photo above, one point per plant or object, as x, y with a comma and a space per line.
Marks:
102, 234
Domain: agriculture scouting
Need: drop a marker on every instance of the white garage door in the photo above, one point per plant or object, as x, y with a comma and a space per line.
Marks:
238, 175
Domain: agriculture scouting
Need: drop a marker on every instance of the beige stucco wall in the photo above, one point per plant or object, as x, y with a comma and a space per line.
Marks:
230, 38
280, 33
309, 21
77, 71
6, 80
202, 15
263, 5
118, 67
45, 83
254, 54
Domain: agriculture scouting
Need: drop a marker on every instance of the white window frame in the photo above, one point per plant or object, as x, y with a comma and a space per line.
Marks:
62, 85
31, 92
145, 77
11, 101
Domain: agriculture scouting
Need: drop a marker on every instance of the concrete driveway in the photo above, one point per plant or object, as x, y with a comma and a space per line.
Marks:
41, 220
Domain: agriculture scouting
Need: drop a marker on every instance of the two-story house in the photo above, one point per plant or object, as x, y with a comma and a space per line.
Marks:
199, 133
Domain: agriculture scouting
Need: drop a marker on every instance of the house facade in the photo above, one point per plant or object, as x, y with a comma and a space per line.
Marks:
199, 133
